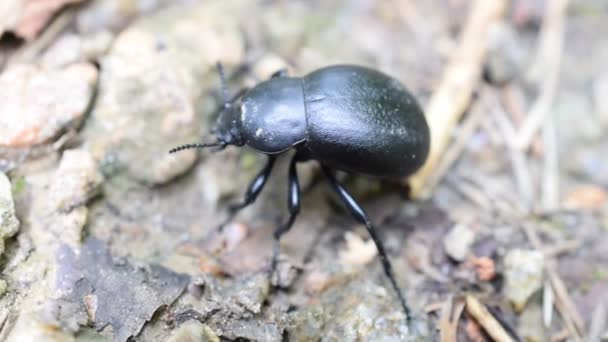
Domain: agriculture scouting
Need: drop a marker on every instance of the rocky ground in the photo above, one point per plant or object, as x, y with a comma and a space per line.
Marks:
105, 236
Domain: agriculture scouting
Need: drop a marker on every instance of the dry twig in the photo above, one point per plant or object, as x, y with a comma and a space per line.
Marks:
565, 305
450, 316
453, 95
486, 320
519, 162
546, 69
470, 124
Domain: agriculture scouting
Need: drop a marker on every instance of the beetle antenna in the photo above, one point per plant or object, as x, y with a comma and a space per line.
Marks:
189, 146
224, 84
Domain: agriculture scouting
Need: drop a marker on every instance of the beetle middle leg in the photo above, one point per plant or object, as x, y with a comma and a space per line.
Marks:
360, 215
253, 190
293, 204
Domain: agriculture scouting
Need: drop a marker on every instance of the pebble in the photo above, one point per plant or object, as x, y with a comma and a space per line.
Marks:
37, 103
457, 243
77, 180
523, 276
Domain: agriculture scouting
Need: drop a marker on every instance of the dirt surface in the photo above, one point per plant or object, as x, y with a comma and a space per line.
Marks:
106, 236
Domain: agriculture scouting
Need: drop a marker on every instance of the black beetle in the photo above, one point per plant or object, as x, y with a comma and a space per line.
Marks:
347, 117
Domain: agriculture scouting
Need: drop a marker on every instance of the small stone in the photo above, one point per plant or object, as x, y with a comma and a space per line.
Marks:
457, 243
193, 331
77, 180
523, 276
36, 104
253, 292
503, 62
357, 251
9, 224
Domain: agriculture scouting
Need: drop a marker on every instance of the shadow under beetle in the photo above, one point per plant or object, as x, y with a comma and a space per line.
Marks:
346, 117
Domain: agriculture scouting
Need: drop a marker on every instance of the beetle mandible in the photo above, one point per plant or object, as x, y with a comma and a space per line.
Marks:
346, 117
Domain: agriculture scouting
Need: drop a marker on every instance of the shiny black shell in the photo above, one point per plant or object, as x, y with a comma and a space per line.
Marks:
351, 118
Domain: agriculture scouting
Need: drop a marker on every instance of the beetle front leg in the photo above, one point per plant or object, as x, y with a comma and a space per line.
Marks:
360, 215
253, 190
293, 204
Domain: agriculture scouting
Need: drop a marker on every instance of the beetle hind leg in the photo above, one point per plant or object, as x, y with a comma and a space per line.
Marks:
360, 215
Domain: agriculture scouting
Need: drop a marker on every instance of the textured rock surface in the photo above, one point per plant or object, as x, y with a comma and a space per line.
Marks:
152, 88
193, 331
158, 88
341, 315
114, 292
36, 103
9, 224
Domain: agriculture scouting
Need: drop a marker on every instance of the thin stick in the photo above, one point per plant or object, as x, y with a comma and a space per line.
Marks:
546, 69
486, 320
471, 123
561, 248
454, 93
550, 184
565, 305
450, 316
519, 161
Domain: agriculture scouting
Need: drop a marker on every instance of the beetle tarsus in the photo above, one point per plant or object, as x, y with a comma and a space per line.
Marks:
360, 215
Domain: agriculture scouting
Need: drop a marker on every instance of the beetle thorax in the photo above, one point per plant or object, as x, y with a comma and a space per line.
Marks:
273, 115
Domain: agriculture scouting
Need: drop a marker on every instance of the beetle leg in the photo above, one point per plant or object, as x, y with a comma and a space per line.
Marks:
253, 190
293, 204
279, 73
360, 215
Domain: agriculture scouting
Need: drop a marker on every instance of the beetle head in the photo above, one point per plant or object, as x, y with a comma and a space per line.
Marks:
227, 129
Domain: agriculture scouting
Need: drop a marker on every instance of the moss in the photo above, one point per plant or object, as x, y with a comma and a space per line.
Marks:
18, 186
